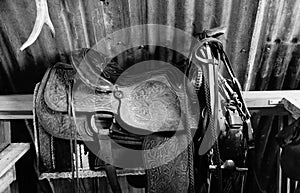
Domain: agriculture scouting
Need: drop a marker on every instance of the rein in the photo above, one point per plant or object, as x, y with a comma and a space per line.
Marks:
210, 75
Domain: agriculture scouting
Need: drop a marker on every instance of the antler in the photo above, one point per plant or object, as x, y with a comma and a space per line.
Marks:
42, 17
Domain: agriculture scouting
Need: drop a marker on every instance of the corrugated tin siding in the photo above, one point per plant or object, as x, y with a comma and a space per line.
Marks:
80, 23
276, 63
267, 30
262, 41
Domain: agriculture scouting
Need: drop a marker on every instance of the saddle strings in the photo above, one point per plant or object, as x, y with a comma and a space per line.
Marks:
71, 113
75, 141
190, 149
35, 123
213, 122
71, 142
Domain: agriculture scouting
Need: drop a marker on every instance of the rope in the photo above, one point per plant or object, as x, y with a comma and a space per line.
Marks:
190, 153
71, 140
214, 135
75, 141
35, 124
212, 126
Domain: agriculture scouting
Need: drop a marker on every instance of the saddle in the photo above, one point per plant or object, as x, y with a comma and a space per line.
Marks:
69, 106
98, 101
128, 103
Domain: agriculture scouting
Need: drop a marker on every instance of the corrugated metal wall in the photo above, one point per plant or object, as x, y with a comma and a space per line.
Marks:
274, 64
267, 30
262, 41
81, 23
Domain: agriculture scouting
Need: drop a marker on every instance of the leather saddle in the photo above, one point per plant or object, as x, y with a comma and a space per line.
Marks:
70, 99
148, 106
152, 103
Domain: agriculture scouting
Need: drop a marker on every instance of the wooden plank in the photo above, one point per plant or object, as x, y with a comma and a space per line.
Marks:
14, 117
10, 155
5, 134
90, 174
7, 179
269, 99
16, 107
255, 99
288, 101
16, 103
20, 106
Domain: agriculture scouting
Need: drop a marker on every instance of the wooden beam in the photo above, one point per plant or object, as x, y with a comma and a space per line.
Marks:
274, 102
269, 99
20, 106
16, 103
16, 106
90, 174
14, 117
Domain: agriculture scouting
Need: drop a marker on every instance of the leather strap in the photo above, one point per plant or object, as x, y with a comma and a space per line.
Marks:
71, 139
112, 178
207, 62
106, 156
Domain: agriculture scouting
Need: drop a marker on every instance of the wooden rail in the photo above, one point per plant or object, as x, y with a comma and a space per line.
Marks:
262, 102
274, 102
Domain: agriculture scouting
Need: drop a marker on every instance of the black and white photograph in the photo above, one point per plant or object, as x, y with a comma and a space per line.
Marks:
149, 96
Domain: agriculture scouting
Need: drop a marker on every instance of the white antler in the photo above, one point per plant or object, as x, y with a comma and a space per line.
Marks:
42, 16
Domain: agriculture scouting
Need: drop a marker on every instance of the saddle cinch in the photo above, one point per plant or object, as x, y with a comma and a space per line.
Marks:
68, 106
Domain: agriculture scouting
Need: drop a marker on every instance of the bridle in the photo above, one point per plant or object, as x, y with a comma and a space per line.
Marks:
213, 82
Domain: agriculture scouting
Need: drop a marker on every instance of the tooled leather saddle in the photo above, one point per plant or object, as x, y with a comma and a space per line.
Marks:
88, 101
68, 106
